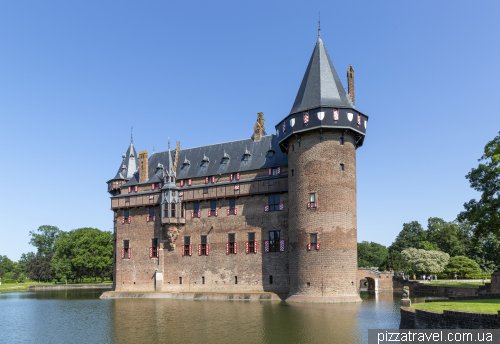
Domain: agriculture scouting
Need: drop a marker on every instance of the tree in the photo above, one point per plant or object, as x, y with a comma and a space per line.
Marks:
61, 260
410, 236
23, 262
432, 262
371, 254
395, 262
39, 268
428, 246
462, 265
44, 241
484, 214
445, 235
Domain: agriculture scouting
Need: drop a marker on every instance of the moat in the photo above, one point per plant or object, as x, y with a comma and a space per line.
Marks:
68, 316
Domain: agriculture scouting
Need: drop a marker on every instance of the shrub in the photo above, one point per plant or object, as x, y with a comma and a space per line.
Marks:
8, 280
478, 276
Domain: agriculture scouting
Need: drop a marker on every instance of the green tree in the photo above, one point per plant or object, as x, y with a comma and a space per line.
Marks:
45, 239
39, 268
410, 236
94, 251
484, 215
395, 262
445, 235
432, 262
371, 254
22, 263
462, 265
6, 266
63, 253
428, 246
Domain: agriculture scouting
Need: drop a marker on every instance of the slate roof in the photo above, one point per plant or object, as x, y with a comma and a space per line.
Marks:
130, 164
321, 86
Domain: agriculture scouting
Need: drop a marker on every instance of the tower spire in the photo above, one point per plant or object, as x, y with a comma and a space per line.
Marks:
131, 136
319, 25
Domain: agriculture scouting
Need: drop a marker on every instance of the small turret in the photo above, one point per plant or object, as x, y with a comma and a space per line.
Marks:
126, 171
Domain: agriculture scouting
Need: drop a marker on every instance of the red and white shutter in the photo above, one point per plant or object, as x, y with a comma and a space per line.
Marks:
183, 252
199, 249
123, 220
199, 214
235, 247
247, 247
123, 253
315, 204
279, 170
235, 211
129, 253
153, 186
182, 182
282, 245
129, 219
255, 246
136, 188
213, 179
266, 245
181, 193
129, 189
231, 176
150, 252
238, 176
269, 171
147, 218
154, 218
207, 250
266, 208
206, 180
308, 204
216, 212
228, 211
236, 186
335, 114
282, 206
317, 246
190, 181
227, 248
192, 214
190, 250
158, 252
209, 213
309, 247
359, 119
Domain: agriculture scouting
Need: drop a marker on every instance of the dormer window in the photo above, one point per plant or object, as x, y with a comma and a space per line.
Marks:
270, 153
225, 158
205, 161
247, 155
186, 162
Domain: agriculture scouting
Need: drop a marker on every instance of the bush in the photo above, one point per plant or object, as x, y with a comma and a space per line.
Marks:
478, 276
8, 280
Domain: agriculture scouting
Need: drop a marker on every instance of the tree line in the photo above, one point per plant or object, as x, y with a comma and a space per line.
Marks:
468, 245
73, 255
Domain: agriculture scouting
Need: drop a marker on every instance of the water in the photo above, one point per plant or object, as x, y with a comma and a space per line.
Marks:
80, 316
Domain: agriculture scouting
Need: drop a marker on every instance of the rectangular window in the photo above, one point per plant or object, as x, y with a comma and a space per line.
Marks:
151, 211
232, 206
213, 206
342, 140
183, 210
312, 200
271, 182
231, 240
251, 243
180, 280
126, 247
314, 238
274, 202
235, 279
205, 190
187, 242
196, 208
341, 167
203, 245
166, 209
127, 199
127, 213
270, 279
293, 172
154, 245
274, 241
202, 280
172, 209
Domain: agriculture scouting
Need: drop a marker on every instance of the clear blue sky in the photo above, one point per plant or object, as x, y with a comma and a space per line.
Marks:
75, 76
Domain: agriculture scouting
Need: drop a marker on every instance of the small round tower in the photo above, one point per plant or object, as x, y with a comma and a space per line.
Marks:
321, 135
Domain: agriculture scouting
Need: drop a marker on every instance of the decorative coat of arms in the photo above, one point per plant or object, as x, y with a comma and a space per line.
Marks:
321, 115
292, 122
349, 116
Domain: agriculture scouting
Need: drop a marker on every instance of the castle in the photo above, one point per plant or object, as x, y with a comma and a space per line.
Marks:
270, 213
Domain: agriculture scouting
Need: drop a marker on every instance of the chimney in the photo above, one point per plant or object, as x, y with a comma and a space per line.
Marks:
176, 159
259, 129
143, 167
350, 83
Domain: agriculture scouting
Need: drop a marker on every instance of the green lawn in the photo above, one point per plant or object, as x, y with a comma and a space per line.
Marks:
24, 286
457, 284
481, 306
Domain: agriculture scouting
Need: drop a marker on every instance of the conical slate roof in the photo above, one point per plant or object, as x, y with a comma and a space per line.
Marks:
129, 164
321, 86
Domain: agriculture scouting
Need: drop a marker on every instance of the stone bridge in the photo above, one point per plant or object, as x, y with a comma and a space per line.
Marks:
372, 279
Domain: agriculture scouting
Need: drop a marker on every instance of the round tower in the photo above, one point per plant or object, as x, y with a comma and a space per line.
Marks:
321, 135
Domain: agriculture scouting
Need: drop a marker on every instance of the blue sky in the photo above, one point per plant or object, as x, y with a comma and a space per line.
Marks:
75, 76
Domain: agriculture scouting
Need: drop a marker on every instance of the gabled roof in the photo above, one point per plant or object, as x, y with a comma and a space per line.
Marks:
321, 86
129, 164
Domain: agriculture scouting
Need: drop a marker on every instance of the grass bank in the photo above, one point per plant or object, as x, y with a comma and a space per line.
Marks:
24, 286
456, 284
480, 306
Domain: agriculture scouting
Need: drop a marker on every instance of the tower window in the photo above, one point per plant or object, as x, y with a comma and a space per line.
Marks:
274, 241
127, 213
187, 242
342, 167
312, 200
151, 211
231, 240
154, 245
180, 280
270, 279
251, 243
274, 202
196, 208
213, 205
271, 182
172, 210
232, 206
203, 245
293, 172
205, 190
313, 238
202, 280
342, 140
235, 279
126, 248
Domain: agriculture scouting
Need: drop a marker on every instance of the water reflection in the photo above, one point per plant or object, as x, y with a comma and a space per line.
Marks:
78, 315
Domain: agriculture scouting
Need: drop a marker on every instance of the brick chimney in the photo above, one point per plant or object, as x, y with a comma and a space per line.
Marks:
176, 159
143, 166
259, 129
350, 83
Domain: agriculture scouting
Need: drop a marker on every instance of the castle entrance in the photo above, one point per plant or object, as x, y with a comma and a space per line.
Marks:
368, 283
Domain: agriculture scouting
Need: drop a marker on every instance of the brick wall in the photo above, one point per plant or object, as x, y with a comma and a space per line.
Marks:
425, 319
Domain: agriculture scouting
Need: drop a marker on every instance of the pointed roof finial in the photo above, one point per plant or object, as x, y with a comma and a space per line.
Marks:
131, 136
153, 149
169, 143
319, 25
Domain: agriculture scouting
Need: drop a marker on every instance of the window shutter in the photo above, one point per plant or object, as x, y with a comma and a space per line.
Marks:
150, 252
192, 214
315, 204
266, 245
282, 245
282, 206
216, 212
129, 219
247, 247
129, 253
228, 211
199, 249
154, 218
231, 177
159, 185
206, 180
183, 252
235, 247
158, 252
236, 186
255, 246
123, 220
209, 213
207, 250
279, 170
270, 172
147, 218
235, 211
152, 186
129, 189
317, 246
182, 182
190, 250
266, 208
309, 247
190, 181
136, 188
227, 248
199, 214
238, 176
308, 204
123, 253
213, 179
